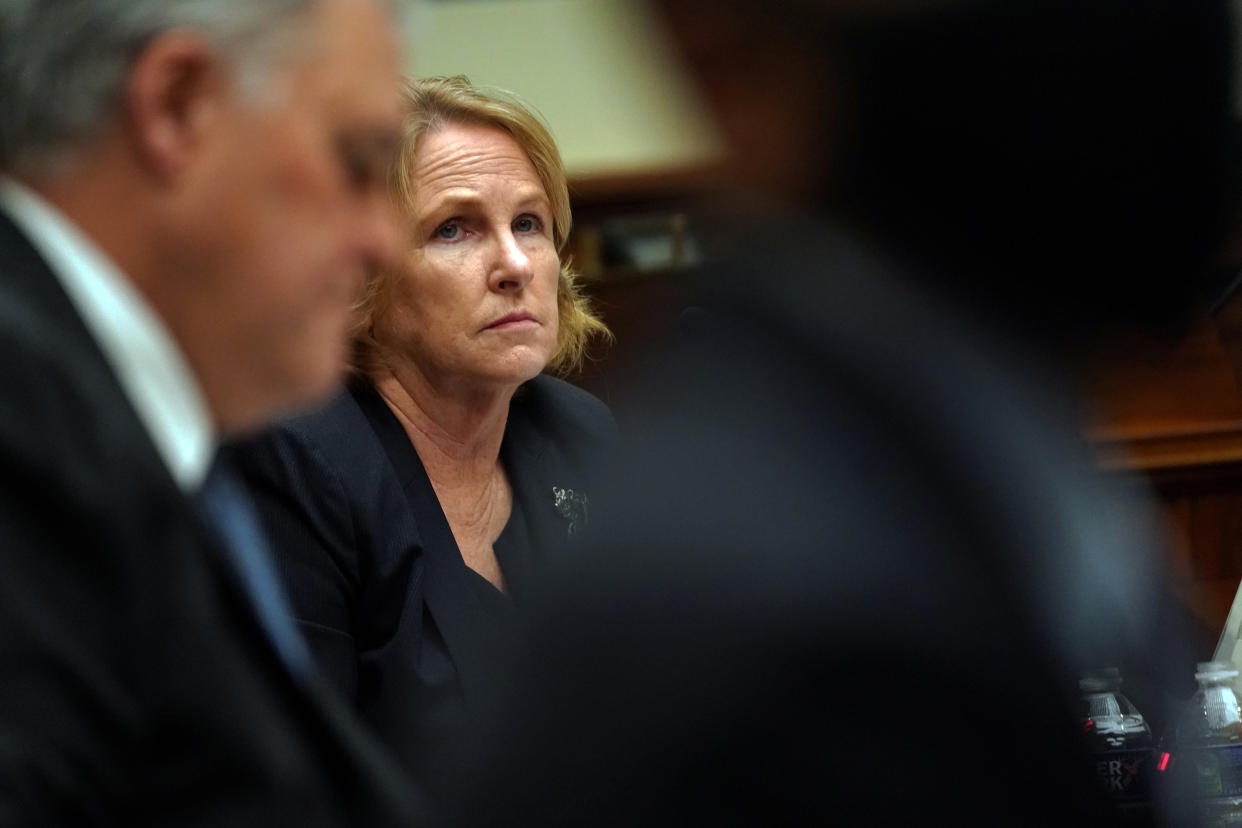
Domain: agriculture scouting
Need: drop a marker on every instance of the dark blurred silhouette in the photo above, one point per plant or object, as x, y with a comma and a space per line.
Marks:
857, 554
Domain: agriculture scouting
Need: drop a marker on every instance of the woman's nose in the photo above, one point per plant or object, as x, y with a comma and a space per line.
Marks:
512, 268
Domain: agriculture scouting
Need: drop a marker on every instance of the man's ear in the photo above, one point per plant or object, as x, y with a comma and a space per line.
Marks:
175, 87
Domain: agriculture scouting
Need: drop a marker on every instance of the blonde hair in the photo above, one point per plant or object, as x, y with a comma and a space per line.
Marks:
433, 103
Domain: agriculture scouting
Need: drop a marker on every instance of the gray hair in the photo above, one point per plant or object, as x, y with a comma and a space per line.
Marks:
63, 63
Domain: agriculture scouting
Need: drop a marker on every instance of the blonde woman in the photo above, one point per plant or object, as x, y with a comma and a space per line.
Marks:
409, 513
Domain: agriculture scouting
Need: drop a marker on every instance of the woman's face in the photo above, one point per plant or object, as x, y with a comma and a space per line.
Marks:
475, 308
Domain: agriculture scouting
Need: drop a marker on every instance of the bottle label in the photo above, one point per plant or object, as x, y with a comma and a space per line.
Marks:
1124, 774
1217, 770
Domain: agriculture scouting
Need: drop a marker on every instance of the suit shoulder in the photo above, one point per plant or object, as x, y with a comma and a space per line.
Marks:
301, 451
565, 409
331, 433
62, 408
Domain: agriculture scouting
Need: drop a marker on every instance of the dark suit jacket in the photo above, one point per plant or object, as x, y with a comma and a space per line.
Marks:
136, 686
391, 611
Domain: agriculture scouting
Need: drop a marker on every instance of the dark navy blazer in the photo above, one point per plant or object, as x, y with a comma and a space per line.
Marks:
136, 685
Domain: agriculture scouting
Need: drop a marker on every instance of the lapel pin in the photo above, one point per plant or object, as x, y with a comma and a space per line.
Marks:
571, 505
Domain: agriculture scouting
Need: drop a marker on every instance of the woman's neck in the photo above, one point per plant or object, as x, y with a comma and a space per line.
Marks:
457, 435
458, 439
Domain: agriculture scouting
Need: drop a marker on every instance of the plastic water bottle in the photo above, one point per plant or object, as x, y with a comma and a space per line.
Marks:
1120, 742
1208, 746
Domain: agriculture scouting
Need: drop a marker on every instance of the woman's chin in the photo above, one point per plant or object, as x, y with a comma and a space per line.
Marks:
491, 382
522, 365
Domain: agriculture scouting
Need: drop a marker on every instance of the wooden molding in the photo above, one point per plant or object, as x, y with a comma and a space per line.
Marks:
1205, 444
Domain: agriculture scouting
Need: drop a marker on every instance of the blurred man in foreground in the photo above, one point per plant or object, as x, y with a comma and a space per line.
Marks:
192, 195
857, 554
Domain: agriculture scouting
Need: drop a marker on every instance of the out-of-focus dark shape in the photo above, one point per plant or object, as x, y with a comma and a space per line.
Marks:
857, 556
1052, 161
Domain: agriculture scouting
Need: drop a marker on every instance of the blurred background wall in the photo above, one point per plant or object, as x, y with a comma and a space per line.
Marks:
600, 71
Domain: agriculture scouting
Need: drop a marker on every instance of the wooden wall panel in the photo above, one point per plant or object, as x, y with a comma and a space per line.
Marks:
1205, 552
1172, 411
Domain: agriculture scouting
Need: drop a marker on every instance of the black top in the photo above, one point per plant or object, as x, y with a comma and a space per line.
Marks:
392, 613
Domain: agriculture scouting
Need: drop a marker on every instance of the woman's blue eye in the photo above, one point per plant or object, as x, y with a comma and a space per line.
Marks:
447, 231
526, 224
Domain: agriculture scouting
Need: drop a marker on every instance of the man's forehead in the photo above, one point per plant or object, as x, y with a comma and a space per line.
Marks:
358, 27
352, 60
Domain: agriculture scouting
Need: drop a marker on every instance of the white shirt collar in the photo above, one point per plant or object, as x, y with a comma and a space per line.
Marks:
149, 365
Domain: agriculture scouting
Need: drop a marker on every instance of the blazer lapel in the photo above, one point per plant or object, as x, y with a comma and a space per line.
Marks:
530, 463
447, 590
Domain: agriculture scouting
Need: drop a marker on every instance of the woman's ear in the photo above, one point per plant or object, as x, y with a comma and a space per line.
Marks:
175, 86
